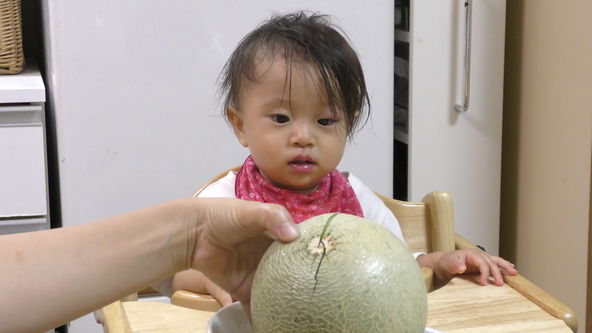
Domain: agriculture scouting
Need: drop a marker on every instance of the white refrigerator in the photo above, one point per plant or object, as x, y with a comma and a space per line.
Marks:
132, 97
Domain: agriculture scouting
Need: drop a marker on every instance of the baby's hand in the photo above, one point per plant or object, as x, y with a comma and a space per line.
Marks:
195, 281
221, 295
449, 264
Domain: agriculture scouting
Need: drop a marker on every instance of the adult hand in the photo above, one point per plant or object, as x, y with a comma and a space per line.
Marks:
224, 238
232, 237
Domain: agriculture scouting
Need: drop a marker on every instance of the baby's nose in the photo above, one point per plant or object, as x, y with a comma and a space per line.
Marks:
302, 135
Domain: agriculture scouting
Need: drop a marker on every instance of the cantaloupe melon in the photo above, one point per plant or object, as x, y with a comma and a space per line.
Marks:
359, 278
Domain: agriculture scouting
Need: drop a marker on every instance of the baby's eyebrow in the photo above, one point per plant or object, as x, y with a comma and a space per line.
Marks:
274, 101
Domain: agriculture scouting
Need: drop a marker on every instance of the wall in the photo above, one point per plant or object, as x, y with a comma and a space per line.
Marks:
589, 289
547, 144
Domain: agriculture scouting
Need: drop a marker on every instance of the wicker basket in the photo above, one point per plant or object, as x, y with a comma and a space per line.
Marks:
11, 41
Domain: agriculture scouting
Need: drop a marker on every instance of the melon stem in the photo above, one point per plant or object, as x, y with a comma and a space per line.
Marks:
324, 249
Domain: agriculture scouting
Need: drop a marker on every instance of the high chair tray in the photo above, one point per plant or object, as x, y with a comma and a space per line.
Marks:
233, 319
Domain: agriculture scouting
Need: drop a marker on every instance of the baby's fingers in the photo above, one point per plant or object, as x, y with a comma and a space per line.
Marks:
484, 269
221, 296
494, 270
507, 266
498, 280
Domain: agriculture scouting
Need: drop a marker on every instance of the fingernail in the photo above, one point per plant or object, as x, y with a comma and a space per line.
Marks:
287, 231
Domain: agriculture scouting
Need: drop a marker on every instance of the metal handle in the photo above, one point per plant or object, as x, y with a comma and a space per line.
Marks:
467, 63
12, 115
21, 216
20, 108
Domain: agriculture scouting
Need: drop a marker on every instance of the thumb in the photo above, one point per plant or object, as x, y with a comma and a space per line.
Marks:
278, 222
232, 221
461, 268
458, 265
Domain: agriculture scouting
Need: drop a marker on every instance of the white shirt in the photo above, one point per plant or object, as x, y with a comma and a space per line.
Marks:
373, 207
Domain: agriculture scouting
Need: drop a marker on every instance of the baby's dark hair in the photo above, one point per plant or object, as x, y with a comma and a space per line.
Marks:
308, 38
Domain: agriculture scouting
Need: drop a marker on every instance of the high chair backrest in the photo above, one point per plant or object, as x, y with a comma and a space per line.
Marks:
427, 225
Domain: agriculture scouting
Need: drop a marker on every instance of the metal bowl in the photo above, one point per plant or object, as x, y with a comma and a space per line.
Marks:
233, 319
230, 319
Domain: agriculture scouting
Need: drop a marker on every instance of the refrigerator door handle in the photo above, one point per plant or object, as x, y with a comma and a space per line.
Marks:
467, 58
21, 216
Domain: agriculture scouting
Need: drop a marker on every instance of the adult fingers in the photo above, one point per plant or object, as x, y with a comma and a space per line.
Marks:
231, 221
243, 294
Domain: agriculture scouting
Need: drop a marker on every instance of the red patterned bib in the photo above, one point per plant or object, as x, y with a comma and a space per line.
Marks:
333, 195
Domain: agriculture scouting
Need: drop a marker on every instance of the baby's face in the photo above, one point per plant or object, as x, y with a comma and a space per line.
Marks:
286, 122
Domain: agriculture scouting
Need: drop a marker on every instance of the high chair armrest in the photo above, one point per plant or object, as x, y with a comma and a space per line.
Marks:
462, 243
543, 299
195, 301
531, 291
428, 276
113, 319
203, 302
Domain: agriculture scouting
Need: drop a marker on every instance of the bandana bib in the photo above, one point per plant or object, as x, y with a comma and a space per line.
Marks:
334, 195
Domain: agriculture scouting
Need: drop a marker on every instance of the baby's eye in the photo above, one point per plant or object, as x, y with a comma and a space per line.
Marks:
326, 121
280, 118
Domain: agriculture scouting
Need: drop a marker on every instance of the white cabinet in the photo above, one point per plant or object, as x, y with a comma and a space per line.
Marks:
441, 148
23, 171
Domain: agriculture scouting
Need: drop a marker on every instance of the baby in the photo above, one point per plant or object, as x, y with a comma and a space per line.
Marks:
294, 93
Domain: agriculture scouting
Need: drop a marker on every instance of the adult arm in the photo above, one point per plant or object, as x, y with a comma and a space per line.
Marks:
193, 280
51, 277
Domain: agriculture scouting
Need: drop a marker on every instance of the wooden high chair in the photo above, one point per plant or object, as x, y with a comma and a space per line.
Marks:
427, 227
422, 233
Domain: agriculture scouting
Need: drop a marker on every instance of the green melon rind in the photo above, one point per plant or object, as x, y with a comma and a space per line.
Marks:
368, 283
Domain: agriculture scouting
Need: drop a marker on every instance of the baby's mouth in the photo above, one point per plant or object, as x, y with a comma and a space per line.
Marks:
301, 162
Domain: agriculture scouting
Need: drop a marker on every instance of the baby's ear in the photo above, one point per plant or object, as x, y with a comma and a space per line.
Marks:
235, 119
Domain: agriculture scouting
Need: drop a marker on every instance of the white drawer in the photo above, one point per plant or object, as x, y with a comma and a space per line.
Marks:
22, 163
